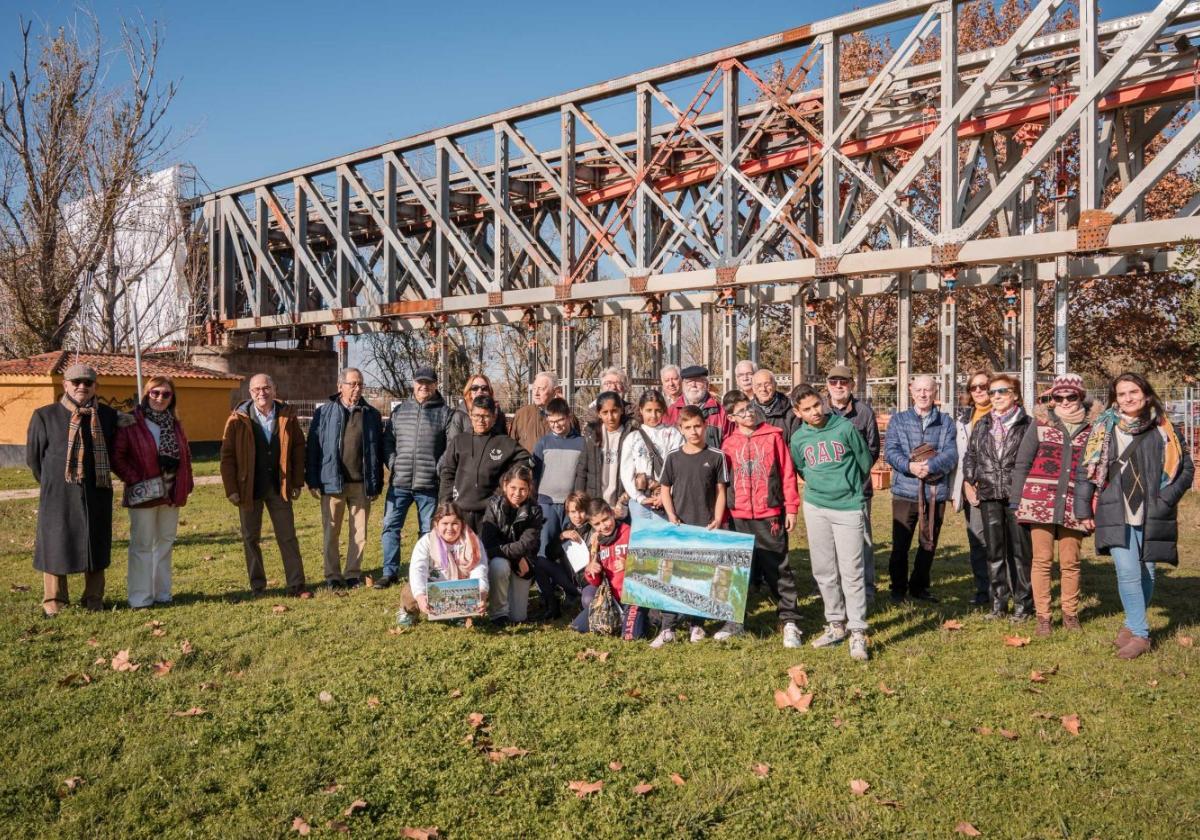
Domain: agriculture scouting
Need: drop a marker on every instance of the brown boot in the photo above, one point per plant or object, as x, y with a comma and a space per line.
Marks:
1043, 626
1123, 637
1135, 648
1070, 622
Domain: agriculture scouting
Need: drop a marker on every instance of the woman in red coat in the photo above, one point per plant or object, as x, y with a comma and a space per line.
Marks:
152, 458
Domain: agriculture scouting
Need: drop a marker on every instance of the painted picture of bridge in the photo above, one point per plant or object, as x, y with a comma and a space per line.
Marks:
690, 570
453, 599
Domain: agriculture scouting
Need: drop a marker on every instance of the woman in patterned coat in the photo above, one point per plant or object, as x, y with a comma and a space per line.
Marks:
1043, 488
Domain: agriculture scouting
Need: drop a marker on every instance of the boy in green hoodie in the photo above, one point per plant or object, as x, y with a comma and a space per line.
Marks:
832, 458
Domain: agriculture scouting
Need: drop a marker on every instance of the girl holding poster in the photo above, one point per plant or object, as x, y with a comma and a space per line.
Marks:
451, 551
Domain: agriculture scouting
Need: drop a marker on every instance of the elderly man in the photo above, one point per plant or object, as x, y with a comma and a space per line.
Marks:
672, 383
922, 451
262, 465
839, 383
743, 377
413, 442
67, 450
345, 471
776, 407
529, 423
695, 392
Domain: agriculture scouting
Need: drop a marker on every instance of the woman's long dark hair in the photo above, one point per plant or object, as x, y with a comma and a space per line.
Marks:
1152, 399
606, 397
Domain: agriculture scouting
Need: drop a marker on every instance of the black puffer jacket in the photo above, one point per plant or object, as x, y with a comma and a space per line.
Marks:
472, 466
413, 442
1160, 531
514, 533
778, 412
989, 471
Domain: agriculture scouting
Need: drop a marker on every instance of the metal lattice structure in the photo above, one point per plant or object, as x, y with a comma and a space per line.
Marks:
710, 185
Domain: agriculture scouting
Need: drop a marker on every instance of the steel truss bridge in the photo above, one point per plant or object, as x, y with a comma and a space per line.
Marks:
710, 185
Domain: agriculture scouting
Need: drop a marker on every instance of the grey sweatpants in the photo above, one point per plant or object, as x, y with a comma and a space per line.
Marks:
835, 547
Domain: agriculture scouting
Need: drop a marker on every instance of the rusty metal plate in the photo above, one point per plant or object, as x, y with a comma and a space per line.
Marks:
727, 275
946, 255
827, 266
562, 291
495, 298
638, 283
1092, 233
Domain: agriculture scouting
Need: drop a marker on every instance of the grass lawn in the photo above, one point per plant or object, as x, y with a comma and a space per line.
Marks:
19, 478
394, 732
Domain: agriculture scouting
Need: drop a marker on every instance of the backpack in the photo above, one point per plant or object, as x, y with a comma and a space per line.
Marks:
604, 613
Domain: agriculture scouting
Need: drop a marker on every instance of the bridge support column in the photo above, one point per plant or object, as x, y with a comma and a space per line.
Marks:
1062, 298
676, 343
1029, 355
556, 345
568, 360
706, 336
729, 325
948, 352
903, 339
755, 312
627, 342
842, 327
797, 370
606, 342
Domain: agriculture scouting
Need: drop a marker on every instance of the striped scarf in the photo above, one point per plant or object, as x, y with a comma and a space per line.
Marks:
1000, 425
75, 453
1095, 451
456, 560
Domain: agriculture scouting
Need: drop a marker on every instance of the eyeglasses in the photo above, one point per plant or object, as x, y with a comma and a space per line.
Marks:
481, 418
745, 412
265, 389
78, 382
478, 388
837, 380
1070, 398
994, 392
160, 394
978, 386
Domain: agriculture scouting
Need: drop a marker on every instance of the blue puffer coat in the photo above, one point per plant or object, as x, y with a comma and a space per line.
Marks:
323, 468
904, 434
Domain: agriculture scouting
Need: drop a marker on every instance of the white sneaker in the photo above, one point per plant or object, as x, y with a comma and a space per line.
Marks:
834, 634
404, 618
728, 630
697, 635
791, 635
858, 646
663, 638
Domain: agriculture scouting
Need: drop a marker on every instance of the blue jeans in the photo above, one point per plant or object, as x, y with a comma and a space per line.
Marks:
554, 518
1135, 581
395, 511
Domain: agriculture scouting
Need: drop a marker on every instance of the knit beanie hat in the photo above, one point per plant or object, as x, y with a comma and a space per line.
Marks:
1068, 382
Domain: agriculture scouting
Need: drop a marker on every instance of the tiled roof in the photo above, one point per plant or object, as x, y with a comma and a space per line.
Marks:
106, 364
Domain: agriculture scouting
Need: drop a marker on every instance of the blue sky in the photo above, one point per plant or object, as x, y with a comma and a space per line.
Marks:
268, 86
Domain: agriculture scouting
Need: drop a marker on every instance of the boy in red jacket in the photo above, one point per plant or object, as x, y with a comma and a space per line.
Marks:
763, 502
608, 563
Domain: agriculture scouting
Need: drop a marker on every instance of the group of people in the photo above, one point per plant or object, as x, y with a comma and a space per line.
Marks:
502, 501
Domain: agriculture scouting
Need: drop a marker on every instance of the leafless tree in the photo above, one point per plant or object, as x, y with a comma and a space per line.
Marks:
72, 146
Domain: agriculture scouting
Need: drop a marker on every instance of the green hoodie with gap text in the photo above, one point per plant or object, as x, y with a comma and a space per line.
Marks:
834, 461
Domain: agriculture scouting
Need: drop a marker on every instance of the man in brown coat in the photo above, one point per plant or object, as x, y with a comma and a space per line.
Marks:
529, 423
262, 465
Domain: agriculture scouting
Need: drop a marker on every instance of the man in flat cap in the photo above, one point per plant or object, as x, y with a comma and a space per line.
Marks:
67, 449
695, 392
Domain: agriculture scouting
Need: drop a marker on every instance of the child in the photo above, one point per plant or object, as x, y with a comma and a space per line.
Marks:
451, 551
763, 502
609, 543
832, 458
643, 455
598, 471
578, 530
693, 482
511, 533
555, 457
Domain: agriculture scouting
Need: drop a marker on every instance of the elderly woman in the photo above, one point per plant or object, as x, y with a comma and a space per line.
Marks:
152, 458
478, 385
1134, 470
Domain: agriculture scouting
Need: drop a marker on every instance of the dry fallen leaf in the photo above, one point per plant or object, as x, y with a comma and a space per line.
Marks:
153, 624
1008, 734
19, 587
396, 631
952, 624
185, 647
859, 787
1016, 641
782, 701
93, 643
803, 704
506, 752
982, 730
208, 686
354, 807
75, 680
332, 787
100, 661
475, 719
368, 581
883, 687
158, 631
583, 789
799, 675
280, 608
643, 788
161, 669
616, 766
1043, 715
677, 779
761, 770
1153, 683
192, 712
338, 826
301, 827
73, 782
966, 828
121, 662
837, 722
1184, 641
427, 833
1071, 723
455, 694
373, 702
1037, 677
325, 697
305, 595
682, 698
590, 653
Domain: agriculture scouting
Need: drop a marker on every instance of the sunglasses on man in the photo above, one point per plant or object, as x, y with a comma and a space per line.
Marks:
78, 382
1067, 398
